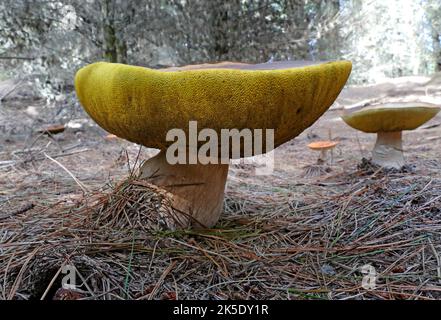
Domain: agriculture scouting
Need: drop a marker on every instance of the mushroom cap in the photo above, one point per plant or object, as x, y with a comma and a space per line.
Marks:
322, 145
142, 105
390, 117
219, 65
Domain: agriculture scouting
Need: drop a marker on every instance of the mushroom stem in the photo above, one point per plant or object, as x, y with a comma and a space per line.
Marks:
323, 156
388, 150
201, 185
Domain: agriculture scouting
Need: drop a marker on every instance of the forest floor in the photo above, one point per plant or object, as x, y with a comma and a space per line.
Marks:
281, 236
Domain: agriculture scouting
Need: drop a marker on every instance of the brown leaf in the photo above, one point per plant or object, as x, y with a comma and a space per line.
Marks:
53, 129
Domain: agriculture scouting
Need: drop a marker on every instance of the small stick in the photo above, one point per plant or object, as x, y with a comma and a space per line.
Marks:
20, 274
52, 281
10, 91
80, 184
161, 279
16, 58
22, 210
438, 261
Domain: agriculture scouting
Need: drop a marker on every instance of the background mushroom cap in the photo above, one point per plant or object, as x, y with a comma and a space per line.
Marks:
142, 105
321, 145
391, 117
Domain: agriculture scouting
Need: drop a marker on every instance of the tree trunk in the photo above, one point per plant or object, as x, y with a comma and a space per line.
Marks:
220, 28
121, 51
436, 37
109, 35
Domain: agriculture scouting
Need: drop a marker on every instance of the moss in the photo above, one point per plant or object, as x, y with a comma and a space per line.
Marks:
142, 105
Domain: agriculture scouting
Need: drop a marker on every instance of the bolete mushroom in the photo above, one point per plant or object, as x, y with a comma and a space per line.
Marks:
142, 105
388, 120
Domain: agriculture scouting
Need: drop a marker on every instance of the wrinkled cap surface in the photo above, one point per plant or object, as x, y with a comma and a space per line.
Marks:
390, 117
142, 105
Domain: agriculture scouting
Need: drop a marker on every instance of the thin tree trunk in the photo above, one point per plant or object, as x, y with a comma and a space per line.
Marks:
219, 12
437, 50
121, 51
109, 35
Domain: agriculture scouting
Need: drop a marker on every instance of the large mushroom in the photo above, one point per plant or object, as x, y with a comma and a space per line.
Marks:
388, 120
143, 105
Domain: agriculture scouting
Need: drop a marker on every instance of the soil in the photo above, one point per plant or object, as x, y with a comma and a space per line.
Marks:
282, 212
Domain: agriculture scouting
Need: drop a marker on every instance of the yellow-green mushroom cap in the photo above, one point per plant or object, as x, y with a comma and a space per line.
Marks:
142, 105
391, 117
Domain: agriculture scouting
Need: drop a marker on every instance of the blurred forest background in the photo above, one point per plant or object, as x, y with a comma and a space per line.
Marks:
45, 41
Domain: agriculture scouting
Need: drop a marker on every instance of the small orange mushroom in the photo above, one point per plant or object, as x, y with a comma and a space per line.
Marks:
323, 147
111, 137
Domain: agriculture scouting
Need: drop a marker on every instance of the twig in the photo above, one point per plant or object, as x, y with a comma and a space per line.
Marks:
10, 91
80, 184
16, 57
51, 283
438, 261
20, 274
161, 279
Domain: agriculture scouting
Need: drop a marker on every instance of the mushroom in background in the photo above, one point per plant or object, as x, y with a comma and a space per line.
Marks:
388, 120
323, 147
321, 167
142, 105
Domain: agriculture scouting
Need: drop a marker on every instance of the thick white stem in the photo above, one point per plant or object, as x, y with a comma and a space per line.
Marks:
388, 150
202, 186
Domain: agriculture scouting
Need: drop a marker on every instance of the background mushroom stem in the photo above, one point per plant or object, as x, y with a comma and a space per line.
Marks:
388, 150
202, 185
323, 158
